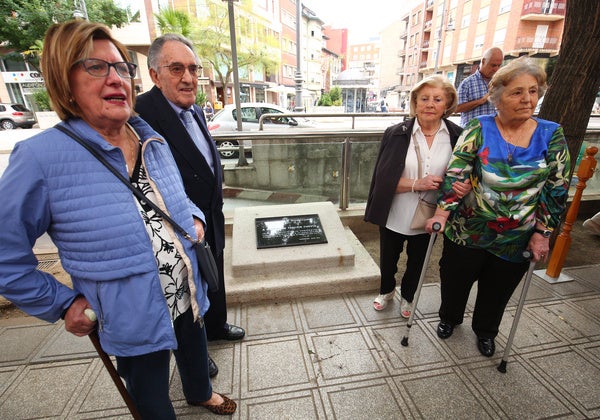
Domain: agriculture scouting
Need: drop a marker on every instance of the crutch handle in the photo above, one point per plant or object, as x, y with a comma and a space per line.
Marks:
527, 254
436, 226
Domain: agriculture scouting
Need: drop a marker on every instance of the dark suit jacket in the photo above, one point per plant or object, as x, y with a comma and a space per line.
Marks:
202, 186
390, 165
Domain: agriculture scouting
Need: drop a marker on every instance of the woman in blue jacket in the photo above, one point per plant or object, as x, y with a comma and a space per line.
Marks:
127, 264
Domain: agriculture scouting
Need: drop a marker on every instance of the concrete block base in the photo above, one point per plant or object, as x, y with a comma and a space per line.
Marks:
340, 266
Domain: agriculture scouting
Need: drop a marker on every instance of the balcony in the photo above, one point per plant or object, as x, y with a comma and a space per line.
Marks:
545, 10
430, 4
401, 53
541, 44
427, 26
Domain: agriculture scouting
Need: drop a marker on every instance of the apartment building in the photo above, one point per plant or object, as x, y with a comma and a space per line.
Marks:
449, 36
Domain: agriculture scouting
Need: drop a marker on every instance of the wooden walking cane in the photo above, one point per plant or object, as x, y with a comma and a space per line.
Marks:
111, 368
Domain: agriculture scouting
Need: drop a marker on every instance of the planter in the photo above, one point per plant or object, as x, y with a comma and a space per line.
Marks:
46, 119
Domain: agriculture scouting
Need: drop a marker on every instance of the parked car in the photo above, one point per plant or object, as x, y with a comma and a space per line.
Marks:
15, 115
225, 120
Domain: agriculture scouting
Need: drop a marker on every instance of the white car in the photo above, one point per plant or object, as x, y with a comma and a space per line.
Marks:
226, 121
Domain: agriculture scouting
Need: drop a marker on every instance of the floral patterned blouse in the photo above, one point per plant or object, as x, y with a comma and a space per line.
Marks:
513, 187
172, 271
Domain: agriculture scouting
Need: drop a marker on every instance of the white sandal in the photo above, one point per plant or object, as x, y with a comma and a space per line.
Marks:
381, 301
406, 308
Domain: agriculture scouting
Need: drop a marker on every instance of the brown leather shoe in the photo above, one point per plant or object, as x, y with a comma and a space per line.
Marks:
226, 408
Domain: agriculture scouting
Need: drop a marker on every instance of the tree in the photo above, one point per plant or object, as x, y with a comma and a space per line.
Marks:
24, 22
173, 21
256, 51
576, 76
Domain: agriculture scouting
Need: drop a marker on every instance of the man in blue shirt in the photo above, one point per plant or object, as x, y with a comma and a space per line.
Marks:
473, 91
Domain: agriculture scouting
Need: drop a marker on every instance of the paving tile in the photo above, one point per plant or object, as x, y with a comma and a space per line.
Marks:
62, 345
592, 305
273, 318
421, 352
44, 390
294, 405
275, 366
20, 343
370, 399
566, 320
344, 354
327, 312
518, 393
444, 394
529, 333
574, 375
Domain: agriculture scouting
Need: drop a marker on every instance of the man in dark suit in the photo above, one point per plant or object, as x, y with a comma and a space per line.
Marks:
169, 107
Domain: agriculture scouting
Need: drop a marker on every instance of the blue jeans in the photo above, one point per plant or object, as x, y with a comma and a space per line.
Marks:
147, 376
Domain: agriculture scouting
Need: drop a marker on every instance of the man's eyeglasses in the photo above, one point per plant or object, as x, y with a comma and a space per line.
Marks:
178, 70
101, 68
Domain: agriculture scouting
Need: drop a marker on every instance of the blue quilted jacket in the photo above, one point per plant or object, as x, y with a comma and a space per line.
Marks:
54, 185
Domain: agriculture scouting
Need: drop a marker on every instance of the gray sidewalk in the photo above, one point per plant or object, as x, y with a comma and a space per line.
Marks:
336, 358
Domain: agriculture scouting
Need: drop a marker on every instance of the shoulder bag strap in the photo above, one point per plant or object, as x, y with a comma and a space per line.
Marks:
140, 195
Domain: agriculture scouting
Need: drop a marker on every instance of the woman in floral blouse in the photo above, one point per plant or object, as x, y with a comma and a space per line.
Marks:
518, 166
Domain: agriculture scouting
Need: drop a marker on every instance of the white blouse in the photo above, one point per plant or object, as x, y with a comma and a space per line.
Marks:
433, 161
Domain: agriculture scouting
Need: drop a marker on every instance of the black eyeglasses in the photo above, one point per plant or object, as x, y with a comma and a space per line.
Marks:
178, 69
101, 68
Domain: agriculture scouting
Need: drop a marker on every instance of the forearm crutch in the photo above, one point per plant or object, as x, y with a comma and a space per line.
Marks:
114, 375
513, 329
436, 227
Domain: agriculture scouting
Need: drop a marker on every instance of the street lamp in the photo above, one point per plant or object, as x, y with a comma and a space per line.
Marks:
298, 76
236, 79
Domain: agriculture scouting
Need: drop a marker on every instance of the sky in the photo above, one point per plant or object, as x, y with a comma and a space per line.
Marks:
363, 18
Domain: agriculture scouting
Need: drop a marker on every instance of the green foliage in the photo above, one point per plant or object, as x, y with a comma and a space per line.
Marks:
255, 50
24, 22
325, 100
200, 98
42, 100
173, 21
336, 95
331, 98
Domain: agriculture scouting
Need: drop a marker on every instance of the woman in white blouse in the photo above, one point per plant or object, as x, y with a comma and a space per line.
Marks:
399, 182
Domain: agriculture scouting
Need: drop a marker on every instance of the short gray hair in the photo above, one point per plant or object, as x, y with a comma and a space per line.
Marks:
157, 45
515, 68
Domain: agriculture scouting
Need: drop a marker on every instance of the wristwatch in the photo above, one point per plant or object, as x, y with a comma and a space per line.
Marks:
545, 232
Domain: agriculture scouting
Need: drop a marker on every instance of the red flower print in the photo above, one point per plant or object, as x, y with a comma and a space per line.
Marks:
483, 155
502, 224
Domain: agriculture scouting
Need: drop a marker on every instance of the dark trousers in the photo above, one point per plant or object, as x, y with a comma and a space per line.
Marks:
215, 319
497, 279
147, 376
391, 245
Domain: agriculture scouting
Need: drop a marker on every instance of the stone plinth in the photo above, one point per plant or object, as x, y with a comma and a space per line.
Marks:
340, 265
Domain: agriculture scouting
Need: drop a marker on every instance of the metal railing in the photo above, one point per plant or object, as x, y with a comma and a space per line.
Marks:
349, 115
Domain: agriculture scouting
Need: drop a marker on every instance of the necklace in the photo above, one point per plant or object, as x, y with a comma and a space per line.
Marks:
508, 141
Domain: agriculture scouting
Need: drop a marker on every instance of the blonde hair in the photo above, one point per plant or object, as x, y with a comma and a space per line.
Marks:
65, 44
515, 68
438, 82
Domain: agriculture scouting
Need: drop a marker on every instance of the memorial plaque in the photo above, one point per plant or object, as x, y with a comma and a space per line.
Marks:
272, 232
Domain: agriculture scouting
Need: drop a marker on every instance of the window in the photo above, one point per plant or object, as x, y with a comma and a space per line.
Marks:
505, 6
466, 21
478, 42
484, 13
499, 36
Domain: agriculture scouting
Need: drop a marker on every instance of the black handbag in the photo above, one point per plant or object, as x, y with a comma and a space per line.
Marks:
206, 261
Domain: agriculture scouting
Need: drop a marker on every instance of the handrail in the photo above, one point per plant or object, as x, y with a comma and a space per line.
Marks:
353, 115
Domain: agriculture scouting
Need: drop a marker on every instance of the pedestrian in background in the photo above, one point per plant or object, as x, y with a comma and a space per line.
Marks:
397, 185
519, 167
170, 108
473, 91
126, 263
